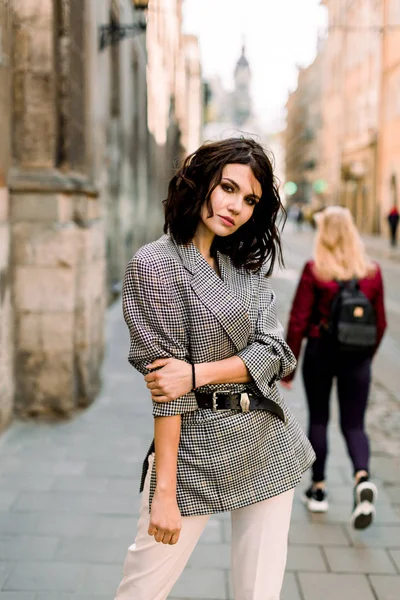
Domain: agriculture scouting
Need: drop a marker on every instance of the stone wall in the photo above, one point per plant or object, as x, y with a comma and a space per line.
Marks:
6, 317
57, 237
59, 296
82, 177
6, 311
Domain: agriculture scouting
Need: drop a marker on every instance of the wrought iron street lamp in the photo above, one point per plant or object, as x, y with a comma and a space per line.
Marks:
141, 4
114, 31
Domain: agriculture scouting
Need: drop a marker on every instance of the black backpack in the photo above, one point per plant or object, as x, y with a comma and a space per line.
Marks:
352, 321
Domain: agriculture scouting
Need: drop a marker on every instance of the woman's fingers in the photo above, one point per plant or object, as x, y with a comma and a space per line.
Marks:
158, 536
159, 362
160, 399
150, 377
164, 536
174, 538
167, 538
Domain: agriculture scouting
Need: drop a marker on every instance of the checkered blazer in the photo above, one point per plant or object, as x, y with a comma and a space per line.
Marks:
176, 305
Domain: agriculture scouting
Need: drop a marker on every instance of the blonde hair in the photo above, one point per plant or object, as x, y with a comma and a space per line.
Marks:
339, 251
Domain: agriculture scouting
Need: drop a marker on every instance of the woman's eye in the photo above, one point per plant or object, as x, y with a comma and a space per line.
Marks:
251, 201
227, 188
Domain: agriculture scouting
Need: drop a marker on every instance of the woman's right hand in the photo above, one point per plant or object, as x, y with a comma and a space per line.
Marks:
165, 518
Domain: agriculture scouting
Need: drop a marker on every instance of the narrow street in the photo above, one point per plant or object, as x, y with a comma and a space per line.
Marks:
69, 492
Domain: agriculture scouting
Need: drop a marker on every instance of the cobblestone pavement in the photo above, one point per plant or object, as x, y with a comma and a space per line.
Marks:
69, 500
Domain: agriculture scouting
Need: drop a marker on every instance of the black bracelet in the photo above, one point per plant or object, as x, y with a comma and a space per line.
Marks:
193, 377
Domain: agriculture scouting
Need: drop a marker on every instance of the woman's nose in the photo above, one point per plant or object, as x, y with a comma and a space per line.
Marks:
235, 204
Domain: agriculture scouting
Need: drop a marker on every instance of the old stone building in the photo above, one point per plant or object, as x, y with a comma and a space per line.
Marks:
361, 58
350, 108
7, 384
389, 115
303, 135
89, 137
358, 83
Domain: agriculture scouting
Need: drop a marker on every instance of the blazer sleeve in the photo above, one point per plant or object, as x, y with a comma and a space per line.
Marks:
154, 326
267, 357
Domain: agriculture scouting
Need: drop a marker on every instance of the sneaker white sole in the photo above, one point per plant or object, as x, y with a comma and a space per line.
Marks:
315, 506
363, 515
366, 492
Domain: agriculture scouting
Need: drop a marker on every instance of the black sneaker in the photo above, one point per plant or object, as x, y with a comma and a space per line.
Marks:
365, 495
315, 500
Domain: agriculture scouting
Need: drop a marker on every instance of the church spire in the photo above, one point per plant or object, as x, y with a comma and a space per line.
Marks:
242, 95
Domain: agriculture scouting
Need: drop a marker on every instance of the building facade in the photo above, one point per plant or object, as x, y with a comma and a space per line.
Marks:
90, 133
360, 97
389, 146
7, 382
303, 135
358, 79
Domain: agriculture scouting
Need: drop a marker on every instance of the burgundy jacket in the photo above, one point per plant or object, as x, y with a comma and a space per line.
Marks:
312, 303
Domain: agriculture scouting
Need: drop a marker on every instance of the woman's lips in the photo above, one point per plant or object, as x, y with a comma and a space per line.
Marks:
227, 221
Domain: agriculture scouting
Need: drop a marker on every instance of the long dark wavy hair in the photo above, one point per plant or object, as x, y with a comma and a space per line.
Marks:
254, 242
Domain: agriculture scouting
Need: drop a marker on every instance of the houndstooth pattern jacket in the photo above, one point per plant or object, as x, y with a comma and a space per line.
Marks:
176, 305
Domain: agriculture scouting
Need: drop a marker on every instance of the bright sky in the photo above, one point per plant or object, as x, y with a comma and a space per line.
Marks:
279, 34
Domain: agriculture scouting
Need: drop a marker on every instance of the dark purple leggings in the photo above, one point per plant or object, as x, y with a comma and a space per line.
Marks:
320, 366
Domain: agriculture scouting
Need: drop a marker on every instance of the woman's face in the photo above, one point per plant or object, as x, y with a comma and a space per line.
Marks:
232, 201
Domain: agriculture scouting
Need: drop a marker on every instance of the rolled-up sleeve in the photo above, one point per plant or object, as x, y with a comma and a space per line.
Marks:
155, 326
268, 357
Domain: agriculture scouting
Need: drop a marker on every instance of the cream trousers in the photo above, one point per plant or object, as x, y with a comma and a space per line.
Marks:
258, 551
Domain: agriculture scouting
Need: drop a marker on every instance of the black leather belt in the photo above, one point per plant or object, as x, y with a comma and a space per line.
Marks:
245, 402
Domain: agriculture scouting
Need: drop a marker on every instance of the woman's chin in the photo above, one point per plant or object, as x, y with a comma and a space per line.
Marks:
224, 231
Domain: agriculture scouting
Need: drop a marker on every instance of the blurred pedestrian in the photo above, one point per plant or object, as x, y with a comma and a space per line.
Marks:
393, 220
205, 335
339, 307
300, 218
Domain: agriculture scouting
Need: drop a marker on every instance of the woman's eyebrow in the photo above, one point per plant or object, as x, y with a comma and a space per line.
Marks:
237, 186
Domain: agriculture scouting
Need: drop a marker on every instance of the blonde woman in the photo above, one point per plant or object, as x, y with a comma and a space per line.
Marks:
338, 257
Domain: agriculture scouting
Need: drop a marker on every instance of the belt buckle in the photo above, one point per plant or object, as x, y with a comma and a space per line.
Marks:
214, 398
245, 402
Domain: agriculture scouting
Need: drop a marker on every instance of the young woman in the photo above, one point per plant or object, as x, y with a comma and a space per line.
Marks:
338, 256
204, 332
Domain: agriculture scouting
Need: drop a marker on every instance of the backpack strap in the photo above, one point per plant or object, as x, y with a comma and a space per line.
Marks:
354, 284
351, 284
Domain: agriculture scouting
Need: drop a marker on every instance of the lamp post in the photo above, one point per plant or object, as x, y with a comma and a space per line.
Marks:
114, 31
141, 4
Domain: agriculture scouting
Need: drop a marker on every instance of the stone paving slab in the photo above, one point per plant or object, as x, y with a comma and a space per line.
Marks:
393, 492
24, 547
45, 576
290, 589
329, 586
365, 560
304, 558
379, 536
386, 587
17, 596
318, 534
395, 555
208, 584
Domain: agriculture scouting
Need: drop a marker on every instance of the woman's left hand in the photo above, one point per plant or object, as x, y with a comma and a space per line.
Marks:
172, 380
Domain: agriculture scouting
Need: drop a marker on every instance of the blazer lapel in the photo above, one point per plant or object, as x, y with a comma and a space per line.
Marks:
227, 297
